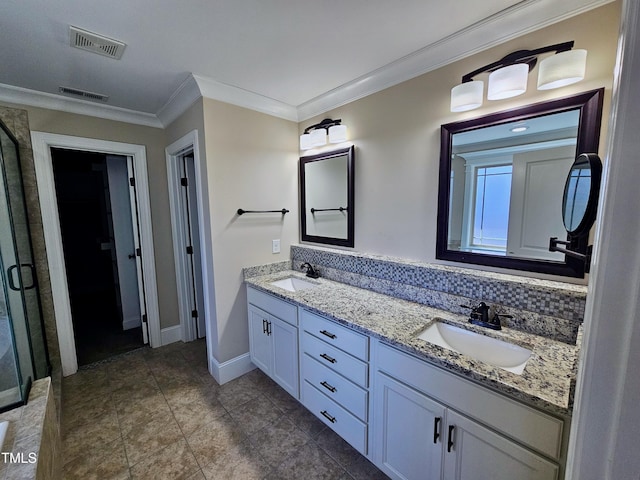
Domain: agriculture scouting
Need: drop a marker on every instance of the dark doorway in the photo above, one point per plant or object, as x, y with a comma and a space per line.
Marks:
86, 223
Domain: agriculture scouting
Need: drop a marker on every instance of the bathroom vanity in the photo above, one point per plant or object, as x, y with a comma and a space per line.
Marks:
415, 409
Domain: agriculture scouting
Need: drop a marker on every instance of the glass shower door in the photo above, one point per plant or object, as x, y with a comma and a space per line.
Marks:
23, 354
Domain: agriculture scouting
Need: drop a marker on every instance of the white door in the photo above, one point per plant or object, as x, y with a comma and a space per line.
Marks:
125, 249
409, 430
535, 212
190, 230
284, 342
473, 452
259, 341
138, 250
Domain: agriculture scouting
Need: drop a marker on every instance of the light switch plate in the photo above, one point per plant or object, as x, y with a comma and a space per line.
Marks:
275, 246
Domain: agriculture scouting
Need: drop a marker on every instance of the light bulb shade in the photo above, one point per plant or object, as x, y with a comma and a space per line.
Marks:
562, 69
467, 96
305, 141
508, 82
338, 134
318, 137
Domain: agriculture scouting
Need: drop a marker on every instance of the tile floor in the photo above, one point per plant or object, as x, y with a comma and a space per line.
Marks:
158, 414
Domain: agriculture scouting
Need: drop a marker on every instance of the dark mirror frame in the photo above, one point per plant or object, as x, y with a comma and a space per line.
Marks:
590, 106
343, 242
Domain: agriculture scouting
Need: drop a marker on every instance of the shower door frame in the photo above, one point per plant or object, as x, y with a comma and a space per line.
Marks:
42, 143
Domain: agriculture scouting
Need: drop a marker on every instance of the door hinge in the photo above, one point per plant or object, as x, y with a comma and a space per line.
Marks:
138, 252
194, 313
132, 181
144, 318
184, 182
189, 250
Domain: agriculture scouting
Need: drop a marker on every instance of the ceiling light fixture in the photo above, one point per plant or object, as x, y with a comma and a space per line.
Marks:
316, 135
508, 76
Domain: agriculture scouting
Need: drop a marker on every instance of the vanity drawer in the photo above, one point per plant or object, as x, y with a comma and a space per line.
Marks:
336, 387
337, 335
270, 304
336, 417
335, 359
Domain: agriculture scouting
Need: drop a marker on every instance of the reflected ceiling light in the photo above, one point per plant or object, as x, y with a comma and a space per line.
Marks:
519, 128
316, 135
508, 76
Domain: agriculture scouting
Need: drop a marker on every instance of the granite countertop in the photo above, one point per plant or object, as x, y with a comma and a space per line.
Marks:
547, 382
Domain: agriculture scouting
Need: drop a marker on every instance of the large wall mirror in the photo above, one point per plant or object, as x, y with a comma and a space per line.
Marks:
502, 181
326, 197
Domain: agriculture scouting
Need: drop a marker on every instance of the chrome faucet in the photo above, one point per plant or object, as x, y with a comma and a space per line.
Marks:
311, 272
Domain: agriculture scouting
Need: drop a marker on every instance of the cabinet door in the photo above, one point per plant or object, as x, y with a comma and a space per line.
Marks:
409, 431
284, 338
477, 453
259, 341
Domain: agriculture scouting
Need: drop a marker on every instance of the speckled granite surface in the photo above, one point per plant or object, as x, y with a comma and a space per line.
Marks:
548, 380
542, 307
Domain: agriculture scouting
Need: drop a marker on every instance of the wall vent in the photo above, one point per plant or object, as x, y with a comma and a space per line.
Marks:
93, 42
84, 94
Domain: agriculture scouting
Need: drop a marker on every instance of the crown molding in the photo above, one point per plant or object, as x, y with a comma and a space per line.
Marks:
215, 90
33, 98
520, 19
186, 94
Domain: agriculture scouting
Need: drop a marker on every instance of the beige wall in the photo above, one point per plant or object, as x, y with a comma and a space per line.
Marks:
252, 164
50, 121
396, 133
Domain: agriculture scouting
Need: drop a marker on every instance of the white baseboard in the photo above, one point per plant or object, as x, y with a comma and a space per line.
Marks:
130, 323
226, 371
171, 334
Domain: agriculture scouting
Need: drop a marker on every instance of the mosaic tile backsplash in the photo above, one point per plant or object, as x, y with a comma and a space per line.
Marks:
550, 309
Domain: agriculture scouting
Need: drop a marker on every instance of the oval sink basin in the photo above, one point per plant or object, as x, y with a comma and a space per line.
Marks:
294, 284
498, 353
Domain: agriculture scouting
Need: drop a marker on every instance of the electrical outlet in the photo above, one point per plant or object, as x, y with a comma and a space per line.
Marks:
275, 246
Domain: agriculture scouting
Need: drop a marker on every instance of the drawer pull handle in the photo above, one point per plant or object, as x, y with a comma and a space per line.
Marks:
328, 358
436, 430
450, 438
327, 416
328, 387
328, 334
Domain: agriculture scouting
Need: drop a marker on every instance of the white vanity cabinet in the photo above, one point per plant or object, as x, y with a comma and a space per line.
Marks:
334, 375
431, 424
273, 338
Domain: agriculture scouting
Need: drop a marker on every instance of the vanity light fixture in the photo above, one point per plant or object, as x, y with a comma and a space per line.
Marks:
508, 76
316, 135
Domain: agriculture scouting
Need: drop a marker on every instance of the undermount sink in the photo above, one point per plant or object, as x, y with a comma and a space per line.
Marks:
498, 353
294, 284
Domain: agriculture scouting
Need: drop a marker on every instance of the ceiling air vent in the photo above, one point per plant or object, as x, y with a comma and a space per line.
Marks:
92, 42
84, 94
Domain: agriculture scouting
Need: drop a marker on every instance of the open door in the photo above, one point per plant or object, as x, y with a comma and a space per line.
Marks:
138, 250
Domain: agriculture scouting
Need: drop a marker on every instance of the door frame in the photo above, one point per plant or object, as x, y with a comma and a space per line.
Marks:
173, 151
42, 143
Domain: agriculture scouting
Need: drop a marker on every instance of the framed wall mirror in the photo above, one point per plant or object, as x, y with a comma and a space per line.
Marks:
502, 179
326, 197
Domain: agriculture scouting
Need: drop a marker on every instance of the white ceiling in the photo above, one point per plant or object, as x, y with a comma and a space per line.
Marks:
291, 58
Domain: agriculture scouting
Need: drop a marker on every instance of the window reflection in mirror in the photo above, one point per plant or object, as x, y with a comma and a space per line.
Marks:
509, 182
502, 179
326, 197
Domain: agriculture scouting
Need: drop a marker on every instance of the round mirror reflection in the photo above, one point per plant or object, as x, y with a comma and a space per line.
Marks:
581, 194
